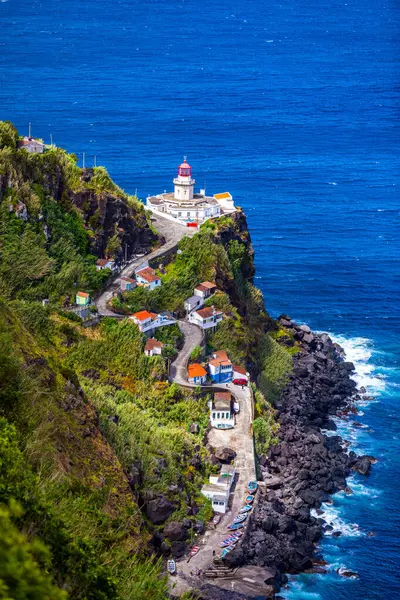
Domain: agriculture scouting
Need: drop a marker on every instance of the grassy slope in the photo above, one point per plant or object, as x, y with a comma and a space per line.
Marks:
75, 473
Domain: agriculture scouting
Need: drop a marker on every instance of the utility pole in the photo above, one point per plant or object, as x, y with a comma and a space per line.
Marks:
126, 252
51, 140
95, 163
83, 161
30, 130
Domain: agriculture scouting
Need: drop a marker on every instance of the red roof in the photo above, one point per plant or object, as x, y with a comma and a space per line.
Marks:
83, 295
240, 370
28, 140
208, 311
185, 165
143, 315
128, 279
153, 343
148, 274
222, 396
221, 355
206, 285
102, 262
221, 358
196, 370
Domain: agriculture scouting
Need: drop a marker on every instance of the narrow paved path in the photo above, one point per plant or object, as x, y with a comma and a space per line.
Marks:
193, 336
172, 232
240, 439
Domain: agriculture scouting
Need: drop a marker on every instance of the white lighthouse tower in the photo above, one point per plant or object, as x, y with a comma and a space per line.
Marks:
184, 183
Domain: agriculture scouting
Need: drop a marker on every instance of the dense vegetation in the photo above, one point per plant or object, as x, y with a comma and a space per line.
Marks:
90, 428
45, 239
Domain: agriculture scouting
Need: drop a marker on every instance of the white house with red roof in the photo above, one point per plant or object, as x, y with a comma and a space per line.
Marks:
196, 374
105, 263
206, 317
205, 289
221, 411
220, 367
153, 347
148, 321
147, 277
127, 284
31, 145
186, 205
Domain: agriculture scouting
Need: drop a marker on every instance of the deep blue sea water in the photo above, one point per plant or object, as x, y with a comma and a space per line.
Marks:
291, 106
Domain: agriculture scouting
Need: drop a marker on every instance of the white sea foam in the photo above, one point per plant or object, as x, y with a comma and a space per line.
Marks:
331, 515
359, 350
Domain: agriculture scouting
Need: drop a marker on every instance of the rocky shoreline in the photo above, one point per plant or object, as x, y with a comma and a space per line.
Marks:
307, 466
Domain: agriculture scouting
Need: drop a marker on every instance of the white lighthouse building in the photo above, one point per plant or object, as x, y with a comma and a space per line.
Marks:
185, 205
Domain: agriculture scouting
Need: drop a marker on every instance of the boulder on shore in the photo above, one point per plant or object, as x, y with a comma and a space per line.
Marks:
225, 455
175, 531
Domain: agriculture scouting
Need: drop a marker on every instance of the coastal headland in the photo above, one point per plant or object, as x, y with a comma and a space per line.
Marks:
108, 399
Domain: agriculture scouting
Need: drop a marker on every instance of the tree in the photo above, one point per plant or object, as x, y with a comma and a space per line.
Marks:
23, 563
196, 353
8, 135
113, 245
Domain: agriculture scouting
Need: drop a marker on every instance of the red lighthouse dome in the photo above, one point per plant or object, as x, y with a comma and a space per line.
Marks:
184, 170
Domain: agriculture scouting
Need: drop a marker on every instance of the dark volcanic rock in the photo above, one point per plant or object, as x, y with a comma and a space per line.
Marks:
306, 466
225, 455
175, 531
362, 465
158, 509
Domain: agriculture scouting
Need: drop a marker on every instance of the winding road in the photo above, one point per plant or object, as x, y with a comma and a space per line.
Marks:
171, 231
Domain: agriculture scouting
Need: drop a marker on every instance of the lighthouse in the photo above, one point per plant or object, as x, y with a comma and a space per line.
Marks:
186, 206
184, 182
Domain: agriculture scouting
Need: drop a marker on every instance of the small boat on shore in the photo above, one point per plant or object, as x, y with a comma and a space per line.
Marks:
249, 499
246, 509
226, 551
228, 542
232, 539
216, 520
194, 551
171, 566
252, 487
235, 526
240, 518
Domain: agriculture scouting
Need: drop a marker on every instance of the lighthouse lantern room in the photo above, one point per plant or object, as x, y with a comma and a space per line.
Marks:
184, 183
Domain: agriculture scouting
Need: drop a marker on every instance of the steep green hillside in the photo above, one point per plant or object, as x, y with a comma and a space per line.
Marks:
56, 219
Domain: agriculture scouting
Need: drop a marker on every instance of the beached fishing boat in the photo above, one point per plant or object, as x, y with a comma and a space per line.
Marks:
228, 542
216, 520
240, 518
235, 526
246, 508
249, 499
252, 487
225, 551
171, 566
194, 550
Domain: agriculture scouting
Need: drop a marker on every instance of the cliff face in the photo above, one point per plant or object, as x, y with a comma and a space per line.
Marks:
108, 216
106, 212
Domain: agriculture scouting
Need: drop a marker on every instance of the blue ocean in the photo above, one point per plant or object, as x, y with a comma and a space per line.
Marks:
290, 106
